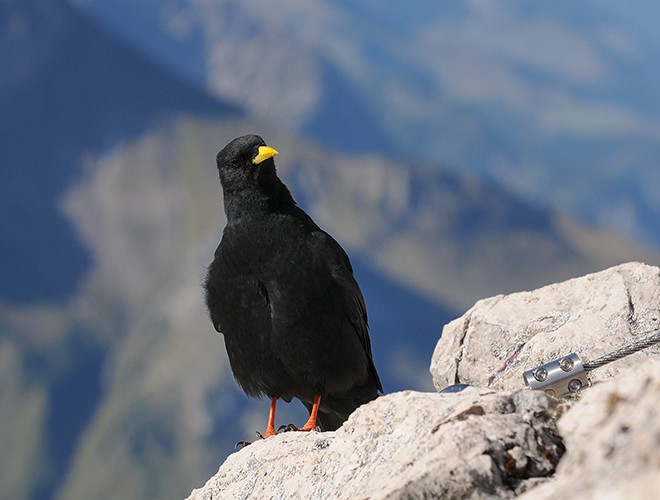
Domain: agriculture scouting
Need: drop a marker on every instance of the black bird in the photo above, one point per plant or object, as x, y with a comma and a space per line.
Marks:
283, 294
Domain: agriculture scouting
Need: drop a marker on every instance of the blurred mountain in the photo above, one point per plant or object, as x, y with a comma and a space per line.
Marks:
66, 88
114, 384
556, 101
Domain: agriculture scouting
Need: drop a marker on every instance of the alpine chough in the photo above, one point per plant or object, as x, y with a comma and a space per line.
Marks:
283, 294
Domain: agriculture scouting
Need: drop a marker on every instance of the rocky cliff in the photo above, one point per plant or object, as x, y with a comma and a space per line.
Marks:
495, 438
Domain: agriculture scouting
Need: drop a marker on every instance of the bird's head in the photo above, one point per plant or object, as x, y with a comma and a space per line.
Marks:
247, 170
241, 162
243, 156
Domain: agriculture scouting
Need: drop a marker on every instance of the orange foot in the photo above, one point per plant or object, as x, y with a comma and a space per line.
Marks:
310, 425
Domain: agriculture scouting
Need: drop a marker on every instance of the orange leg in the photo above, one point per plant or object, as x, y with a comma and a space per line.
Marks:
311, 423
270, 428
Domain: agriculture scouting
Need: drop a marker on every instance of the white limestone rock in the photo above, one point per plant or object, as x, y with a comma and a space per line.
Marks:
612, 437
499, 338
474, 444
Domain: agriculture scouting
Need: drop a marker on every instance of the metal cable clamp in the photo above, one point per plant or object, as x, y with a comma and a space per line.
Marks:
567, 375
559, 377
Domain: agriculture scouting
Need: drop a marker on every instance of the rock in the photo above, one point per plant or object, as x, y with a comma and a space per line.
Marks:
612, 437
474, 444
496, 439
499, 338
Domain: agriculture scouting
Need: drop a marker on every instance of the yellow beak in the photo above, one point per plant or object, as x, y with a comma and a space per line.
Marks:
265, 152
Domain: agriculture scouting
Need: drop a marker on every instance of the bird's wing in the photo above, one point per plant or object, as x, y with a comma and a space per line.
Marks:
356, 310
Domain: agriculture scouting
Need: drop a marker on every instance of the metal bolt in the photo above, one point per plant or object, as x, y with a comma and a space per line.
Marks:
551, 392
541, 374
574, 385
566, 364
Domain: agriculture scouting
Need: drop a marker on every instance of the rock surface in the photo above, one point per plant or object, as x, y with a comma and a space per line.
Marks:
496, 439
499, 338
612, 437
405, 445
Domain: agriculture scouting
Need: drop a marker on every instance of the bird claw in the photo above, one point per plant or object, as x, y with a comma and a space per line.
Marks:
291, 427
242, 444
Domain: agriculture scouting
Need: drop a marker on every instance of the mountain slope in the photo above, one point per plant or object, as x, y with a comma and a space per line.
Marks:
67, 89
